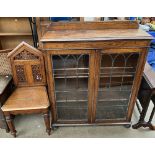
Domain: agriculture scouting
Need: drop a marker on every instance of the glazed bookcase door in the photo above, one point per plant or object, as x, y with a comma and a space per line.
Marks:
116, 78
70, 73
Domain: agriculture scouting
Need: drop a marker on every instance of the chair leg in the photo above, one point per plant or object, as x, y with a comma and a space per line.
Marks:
7, 130
47, 123
11, 126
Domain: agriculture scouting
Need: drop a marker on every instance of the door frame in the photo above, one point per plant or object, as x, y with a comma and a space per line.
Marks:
136, 82
93, 81
51, 82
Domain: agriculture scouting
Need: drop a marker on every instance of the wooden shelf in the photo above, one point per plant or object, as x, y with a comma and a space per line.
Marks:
14, 30
15, 34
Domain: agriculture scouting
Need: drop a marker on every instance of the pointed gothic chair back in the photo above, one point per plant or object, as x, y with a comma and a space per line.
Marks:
30, 95
27, 65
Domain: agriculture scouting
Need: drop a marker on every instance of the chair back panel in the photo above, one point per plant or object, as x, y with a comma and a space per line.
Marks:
27, 65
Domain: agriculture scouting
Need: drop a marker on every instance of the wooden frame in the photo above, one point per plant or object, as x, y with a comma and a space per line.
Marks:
94, 82
54, 26
14, 30
71, 44
27, 64
51, 80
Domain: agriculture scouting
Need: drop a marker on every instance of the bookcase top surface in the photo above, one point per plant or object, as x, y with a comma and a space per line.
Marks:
94, 35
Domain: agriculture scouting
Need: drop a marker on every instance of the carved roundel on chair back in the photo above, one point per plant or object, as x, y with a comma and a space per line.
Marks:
27, 65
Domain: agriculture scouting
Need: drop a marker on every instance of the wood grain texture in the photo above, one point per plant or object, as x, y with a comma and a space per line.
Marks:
15, 34
28, 98
91, 86
97, 44
12, 41
51, 87
30, 95
94, 35
11, 126
14, 25
115, 38
137, 81
97, 63
14, 30
93, 25
28, 57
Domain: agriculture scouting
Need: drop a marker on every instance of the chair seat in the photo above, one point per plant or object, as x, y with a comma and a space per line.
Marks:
27, 98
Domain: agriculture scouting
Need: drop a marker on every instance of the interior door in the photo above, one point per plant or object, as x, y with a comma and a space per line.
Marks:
70, 74
117, 72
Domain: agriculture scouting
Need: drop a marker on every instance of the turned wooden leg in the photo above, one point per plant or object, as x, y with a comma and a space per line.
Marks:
47, 123
11, 126
141, 122
150, 119
7, 130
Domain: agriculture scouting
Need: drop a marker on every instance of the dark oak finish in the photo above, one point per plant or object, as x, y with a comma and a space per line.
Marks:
145, 95
46, 119
11, 126
55, 26
86, 35
32, 63
97, 64
30, 95
140, 68
0, 45
80, 60
97, 44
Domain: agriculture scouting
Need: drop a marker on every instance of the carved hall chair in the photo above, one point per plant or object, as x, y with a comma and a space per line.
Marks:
30, 95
